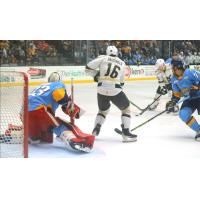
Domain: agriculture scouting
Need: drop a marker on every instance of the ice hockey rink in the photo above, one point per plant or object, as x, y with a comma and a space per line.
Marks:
166, 136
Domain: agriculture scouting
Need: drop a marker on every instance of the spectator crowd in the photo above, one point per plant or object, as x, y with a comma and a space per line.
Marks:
78, 52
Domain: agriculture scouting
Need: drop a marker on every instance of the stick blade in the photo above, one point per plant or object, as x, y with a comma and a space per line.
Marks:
118, 131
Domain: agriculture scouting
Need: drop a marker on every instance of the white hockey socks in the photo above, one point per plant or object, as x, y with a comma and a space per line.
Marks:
126, 120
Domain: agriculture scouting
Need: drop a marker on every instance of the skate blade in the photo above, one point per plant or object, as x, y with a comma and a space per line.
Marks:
83, 149
197, 139
126, 140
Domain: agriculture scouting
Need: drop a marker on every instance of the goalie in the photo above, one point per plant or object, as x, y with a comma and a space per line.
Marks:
49, 109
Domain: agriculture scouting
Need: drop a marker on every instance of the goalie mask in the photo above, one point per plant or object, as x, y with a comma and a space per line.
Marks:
54, 77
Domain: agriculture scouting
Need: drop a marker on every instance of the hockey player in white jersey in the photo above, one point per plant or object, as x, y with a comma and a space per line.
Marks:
108, 71
163, 73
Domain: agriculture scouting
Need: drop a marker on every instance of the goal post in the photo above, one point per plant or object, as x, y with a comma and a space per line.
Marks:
13, 114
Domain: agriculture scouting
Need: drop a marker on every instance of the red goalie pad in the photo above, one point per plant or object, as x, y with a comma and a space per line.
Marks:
89, 139
41, 123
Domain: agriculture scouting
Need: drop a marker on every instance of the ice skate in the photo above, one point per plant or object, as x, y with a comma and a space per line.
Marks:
127, 136
197, 137
96, 130
79, 146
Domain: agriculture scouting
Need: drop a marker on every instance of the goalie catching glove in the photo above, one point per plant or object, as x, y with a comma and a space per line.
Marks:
74, 113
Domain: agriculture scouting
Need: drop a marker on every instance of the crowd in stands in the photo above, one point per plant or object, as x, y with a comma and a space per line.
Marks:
134, 52
12, 52
17, 52
79, 52
189, 51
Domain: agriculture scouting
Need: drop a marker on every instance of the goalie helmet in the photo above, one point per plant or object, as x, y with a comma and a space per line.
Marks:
54, 77
111, 51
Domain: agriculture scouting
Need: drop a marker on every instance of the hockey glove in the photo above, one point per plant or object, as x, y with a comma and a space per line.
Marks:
162, 90
168, 86
121, 84
170, 106
96, 77
194, 89
75, 113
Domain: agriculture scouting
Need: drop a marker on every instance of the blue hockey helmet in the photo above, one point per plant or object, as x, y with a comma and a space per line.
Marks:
177, 63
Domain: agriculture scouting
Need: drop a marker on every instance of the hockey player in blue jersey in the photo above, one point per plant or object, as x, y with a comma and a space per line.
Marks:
186, 84
49, 112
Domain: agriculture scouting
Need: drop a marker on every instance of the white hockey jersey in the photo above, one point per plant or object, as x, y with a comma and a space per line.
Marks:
112, 70
163, 74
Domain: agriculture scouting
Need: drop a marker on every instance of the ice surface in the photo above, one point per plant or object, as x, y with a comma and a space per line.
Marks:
165, 136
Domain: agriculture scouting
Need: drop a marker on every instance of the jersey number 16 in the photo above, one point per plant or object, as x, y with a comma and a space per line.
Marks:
114, 73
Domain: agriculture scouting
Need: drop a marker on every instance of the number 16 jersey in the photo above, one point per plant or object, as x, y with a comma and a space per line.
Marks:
111, 77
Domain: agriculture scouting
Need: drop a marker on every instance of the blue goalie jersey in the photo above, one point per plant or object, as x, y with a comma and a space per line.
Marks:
49, 95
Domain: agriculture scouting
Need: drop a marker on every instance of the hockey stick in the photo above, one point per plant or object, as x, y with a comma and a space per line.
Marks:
120, 132
147, 107
136, 106
180, 101
149, 120
72, 100
187, 98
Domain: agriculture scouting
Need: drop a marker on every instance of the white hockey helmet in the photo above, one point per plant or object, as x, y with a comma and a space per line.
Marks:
111, 51
160, 62
54, 77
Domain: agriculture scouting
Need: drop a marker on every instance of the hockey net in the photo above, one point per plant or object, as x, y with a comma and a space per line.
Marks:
13, 114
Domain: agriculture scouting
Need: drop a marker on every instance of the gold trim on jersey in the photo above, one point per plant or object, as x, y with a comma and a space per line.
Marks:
108, 79
49, 106
58, 94
191, 121
39, 107
177, 94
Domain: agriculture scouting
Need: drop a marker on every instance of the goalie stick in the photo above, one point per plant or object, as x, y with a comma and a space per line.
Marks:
72, 100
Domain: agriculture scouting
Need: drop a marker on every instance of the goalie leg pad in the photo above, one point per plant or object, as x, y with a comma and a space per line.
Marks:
72, 142
73, 137
40, 123
87, 138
